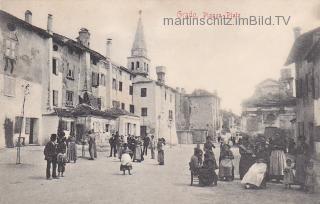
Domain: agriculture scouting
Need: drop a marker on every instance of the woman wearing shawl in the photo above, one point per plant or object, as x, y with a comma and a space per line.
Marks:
207, 174
226, 164
277, 157
137, 151
247, 158
256, 175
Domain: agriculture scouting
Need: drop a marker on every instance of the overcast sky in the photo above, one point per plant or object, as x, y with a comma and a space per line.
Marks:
229, 59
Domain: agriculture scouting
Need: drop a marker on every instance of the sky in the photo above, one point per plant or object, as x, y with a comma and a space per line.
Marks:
231, 60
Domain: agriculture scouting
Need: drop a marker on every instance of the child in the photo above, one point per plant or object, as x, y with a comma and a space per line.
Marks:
311, 178
126, 162
288, 174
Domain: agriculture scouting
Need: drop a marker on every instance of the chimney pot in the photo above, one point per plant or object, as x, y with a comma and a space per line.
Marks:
161, 73
84, 37
49, 24
28, 16
108, 48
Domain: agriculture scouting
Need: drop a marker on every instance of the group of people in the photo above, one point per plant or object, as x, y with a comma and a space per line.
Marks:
261, 160
270, 159
129, 149
59, 151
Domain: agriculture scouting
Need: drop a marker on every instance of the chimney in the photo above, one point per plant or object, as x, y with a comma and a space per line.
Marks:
49, 24
297, 32
84, 37
28, 16
161, 73
108, 48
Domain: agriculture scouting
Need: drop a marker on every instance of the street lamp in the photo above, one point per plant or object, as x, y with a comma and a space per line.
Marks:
25, 93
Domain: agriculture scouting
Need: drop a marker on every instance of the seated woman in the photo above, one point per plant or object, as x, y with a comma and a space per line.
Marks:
207, 174
226, 164
256, 175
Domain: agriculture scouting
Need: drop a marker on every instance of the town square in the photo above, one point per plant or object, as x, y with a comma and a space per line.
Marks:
103, 106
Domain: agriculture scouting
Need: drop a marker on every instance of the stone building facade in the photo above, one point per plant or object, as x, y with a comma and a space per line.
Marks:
199, 110
78, 88
21, 71
272, 105
305, 54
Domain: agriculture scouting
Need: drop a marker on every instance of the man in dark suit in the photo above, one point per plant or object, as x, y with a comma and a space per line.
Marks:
146, 142
50, 153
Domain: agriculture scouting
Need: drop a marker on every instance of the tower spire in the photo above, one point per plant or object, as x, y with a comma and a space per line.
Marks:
139, 47
138, 62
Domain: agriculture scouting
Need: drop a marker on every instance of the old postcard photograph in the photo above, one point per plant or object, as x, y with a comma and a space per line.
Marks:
159, 101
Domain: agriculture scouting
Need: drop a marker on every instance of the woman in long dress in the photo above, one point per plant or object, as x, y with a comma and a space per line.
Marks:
72, 149
302, 158
256, 175
226, 164
277, 158
160, 148
246, 159
207, 174
137, 151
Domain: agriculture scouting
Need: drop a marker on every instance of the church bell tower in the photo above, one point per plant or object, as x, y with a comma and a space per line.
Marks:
138, 62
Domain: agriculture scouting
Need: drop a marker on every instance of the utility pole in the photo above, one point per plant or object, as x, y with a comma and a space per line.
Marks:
25, 93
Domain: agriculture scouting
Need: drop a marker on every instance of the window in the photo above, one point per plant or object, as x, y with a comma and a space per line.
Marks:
9, 88
170, 115
115, 104
18, 124
95, 79
123, 106
55, 98
143, 92
69, 98
114, 84
55, 47
131, 90
138, 65
10, 48
54, 66
103, 79
120, 72
27, 126
131, 108
107, 127
120, 86
144, 112
165, 95
70, 74
99, 102
132, 66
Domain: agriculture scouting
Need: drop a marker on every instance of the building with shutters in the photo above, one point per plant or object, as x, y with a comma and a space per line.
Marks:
305, 54
21, 79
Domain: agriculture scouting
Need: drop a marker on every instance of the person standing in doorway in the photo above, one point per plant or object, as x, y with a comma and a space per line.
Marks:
50, 154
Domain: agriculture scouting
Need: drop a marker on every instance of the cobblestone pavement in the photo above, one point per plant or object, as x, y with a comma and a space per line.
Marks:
100, 181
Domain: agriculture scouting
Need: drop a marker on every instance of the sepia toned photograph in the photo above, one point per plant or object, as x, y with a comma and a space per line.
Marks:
159, 101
